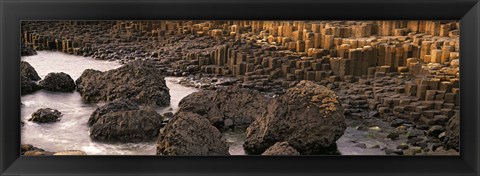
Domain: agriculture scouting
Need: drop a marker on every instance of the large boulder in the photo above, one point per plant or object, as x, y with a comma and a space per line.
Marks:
225, 107
452, 135
28, 71
190, 134
309, 117
28, 78
281, 148
58, 82
139, 81
114, 106
126, 125
46, 115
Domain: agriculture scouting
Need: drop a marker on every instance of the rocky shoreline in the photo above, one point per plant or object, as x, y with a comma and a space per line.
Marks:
405, 73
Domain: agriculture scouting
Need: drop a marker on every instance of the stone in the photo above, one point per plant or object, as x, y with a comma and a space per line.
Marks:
308, 116
46, 115
435, 130
58, 82
452, 133
113, 106
240, 106
28, 71
190, 134
28, 78
393, 135
138, 81
281, 148
415, 133
125, 125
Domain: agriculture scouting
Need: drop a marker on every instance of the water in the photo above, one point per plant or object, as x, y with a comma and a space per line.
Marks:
72, 131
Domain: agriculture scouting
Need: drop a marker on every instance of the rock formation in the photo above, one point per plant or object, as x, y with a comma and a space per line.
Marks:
136, 81
46, 115
190, 134
309, 117
58, 82
28, 78
281, 148
452, 135
225, 107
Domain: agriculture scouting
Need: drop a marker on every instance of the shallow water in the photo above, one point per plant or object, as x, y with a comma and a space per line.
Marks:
72, 132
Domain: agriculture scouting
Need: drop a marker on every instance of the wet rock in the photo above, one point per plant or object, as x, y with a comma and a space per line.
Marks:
114, 106
190, 134
70, 152
225, 107
30, 150
361, 145
393, 135
28, 71
308, 117
28, 78
281, 148
435, 130
452, 134
58, 82
168, 115
403, 146
139, 81
46, 115
415, 133
394, 151
412, 151
127, 126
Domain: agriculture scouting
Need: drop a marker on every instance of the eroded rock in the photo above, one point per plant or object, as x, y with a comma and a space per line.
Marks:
58, 82
46, 115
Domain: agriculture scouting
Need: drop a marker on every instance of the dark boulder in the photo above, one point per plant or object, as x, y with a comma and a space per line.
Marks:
114, 106
126, 125
226, 107
46, 115
139, 81
58, 82
28, 78
281, 148
452, 134
190, 134
309, 117
28, 71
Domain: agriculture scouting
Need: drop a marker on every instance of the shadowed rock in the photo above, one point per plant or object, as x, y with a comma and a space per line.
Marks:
308, 117
28, 76
452, 135
138, 81
58, 82
46, 115
281, 148
225, 107
190, 134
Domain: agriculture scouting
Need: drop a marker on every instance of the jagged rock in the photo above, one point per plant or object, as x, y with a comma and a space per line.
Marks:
452, 134
281, 148
28, 76
58, 82
225, 107
190, 134
139, 81
28, 71
30, 150
45, 115
308, 117
125, 125
114, 106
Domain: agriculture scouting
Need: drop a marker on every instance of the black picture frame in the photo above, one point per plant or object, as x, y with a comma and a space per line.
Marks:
14, 11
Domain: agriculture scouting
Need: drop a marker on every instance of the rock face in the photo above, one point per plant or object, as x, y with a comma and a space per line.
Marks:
58, 82
190, 134
114, 106
46, 115
28, 76
308, 117
27, 50
281, 148
126, 125
225, 107
452, 135
138, 81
